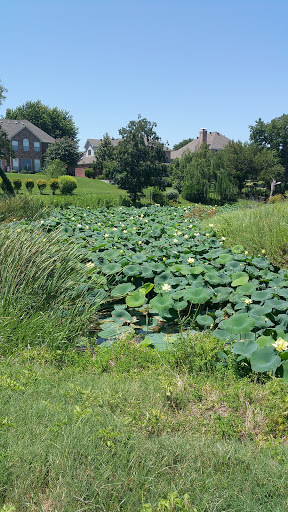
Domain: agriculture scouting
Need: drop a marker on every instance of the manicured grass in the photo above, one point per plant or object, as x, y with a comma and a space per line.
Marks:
261, 228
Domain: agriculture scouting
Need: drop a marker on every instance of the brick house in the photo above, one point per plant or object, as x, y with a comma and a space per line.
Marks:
29, 144
214, 140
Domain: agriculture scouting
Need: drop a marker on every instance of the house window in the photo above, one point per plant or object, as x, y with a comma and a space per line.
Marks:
26, 164
25, 144
89, 152
37, 146
15, 145
15, 164
37, 165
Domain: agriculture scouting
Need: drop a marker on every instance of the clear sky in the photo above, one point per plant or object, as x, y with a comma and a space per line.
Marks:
184, 64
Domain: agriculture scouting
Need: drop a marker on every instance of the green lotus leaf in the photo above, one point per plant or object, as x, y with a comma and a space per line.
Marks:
180, 305
247, 289
239, 279
212, 278
122, 289
198, 295
261, 295
222, 294
205, 320
162, 303
224, 258
197, 269
158, 341
284, 373
238, 249
257, 311
240, 323
135, 299
265, 359
282, 319
139, 257
121, 316
165, 277
111, 268
260, 262
265, 341
234, 266
146, 288
283, 292
132, 270
277, 304
245, 348
146, 271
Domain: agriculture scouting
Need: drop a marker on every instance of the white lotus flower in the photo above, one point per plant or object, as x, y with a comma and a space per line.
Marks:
166, 287
190, 260
280, 345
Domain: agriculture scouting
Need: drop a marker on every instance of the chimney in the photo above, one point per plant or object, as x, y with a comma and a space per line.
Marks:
203, 136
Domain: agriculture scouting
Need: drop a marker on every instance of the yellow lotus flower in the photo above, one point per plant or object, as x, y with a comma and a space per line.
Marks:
280, 345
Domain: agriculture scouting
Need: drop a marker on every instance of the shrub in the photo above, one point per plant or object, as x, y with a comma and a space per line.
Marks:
2, 185
17, 184
29, 184
167, 182
158, 197
172, 195
13, 170
89, 173
67, 185
54, 185
55, 169
276, 199
41, 184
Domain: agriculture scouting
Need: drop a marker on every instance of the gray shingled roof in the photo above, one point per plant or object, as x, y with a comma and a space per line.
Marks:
214, 140
12, 127
98, 142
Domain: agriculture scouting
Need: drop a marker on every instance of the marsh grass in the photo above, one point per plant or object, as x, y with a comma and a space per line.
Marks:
262, 228
22, 207
76, 439
40, 297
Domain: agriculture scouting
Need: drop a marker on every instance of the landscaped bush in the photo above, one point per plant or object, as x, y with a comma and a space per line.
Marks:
41, 184
54, 185
67, 185
172, 195
89, 173
158, 197
17, 184
29, 184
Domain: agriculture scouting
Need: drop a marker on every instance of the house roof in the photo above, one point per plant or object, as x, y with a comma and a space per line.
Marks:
86, 160
98, 142
215, 141
12, 127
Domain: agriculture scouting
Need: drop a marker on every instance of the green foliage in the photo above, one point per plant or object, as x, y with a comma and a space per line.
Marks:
278, 198
57, 123
89, 173
41, 184
54, 185
29, 184
140, 158
67, 184
104, 156
17, 184
172, 503
158, 196
172, 195
55, 169
64, 149
22, 207
2, 93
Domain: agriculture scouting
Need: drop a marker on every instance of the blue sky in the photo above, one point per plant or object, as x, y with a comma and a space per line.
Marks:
184, 64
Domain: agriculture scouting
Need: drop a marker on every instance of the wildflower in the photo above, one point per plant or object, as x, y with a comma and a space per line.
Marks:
248, 301
221, 243
42, 222
175, 240
145, 220
79, 225
190, 260
223, 238
190, 226
166, 287
263, 251
124, 230
196, 234
90, 264
211, 225
121, 252
131, 218
106, 235
164, 259
139, 243
207, 234
72, 218
280, 344
114, 229
246, 252
186, 236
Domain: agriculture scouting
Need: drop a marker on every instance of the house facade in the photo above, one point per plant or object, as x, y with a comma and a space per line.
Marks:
214, 140
29, 144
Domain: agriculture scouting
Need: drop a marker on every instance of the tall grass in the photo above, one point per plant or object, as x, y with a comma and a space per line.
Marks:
264, 228
40, 297
23, 206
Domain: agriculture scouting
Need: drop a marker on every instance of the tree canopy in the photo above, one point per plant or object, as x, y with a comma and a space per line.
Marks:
64, 149
273, 136
104, 155
57, 123
2, 93
139, 159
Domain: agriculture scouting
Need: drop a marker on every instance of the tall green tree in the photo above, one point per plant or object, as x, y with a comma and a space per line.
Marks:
140, 158
57, 123
64, 149
5, 148
105, 154
273, 136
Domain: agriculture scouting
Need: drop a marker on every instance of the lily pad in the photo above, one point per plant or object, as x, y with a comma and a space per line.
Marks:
265, 359
135, 299
240, 323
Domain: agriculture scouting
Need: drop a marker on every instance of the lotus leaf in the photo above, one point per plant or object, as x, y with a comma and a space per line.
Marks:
198, 295
132, 270
205, 320
265, 341
239, 323
245, 348
224, 258
122, 289
135, 299
239, 279
146, 288
265, 359
238, 249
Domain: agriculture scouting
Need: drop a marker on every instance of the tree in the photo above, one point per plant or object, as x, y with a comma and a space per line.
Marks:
104, 154
181, 144
140, 158
64, 149
57, 123
273, 136
5, 149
